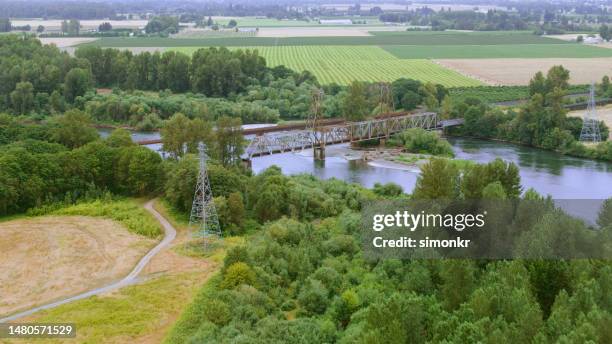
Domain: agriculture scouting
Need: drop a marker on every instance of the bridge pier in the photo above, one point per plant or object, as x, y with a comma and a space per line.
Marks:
319, 152
247, 163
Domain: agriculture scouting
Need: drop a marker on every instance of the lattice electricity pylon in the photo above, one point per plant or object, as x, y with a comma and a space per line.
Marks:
203, 211
590, 125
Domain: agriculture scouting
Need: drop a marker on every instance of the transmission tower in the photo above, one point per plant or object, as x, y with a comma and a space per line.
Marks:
590, 124
203, 211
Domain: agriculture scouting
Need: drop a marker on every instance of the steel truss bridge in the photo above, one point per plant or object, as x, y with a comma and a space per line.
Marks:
318, 138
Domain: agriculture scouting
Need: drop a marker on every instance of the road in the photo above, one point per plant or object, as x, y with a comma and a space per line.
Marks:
169, 236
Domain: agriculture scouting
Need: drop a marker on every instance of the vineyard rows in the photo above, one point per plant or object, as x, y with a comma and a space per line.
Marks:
343, 64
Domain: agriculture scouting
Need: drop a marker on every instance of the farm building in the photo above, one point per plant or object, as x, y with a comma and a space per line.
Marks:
592, 40
336, 21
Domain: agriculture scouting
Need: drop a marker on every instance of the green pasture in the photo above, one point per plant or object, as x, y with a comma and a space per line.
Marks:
343, 64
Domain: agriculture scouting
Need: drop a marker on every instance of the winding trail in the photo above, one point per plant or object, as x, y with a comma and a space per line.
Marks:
169, 236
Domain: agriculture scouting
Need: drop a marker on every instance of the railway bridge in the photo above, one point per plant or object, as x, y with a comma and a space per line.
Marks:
320, 136
324, 132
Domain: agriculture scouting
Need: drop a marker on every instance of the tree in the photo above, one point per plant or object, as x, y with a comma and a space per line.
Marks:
232, 23
40, 29
605, 85
557, 77
396, 319
181, 182
76, 83
5, 25
238, 274
354, 105
120, 138
479, 177
140, 171
605, 214
314, 297
494, 191
429, 91
537, 84
235, 206
105, 27
410, 100
387, 190
458, 280
174, 71
162, 24
57, 102
173, 134
438, 180
605, 32
74, 27
179, 132
22, 98
73, 129
401, 86
417, 140
229, 140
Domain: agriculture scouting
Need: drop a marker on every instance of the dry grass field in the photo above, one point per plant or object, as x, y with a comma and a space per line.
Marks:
520, 71
46, 258
63, 42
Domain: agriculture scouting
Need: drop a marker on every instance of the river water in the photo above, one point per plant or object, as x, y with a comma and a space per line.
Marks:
549, 173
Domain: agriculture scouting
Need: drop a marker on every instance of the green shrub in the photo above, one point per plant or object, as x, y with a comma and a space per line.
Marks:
417, 140
238, 274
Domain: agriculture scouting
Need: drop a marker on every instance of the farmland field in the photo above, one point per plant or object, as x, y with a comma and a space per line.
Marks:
380, 38
272, 22
343, 64
387, 55
497, 51
520, 71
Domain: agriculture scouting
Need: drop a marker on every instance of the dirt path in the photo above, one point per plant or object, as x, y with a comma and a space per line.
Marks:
169, 236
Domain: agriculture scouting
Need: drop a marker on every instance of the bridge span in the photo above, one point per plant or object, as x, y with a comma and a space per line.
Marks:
318, 138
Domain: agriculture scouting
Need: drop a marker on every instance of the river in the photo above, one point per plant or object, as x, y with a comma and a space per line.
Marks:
549, 173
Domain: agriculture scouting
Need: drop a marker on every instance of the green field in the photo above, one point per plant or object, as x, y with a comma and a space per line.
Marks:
343, 64
383, 56
403, 38
497, 51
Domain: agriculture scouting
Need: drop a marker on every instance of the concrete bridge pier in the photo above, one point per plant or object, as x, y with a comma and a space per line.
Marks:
247, 163
319, 152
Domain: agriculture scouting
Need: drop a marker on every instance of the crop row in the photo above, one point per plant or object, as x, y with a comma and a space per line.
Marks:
342, 64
